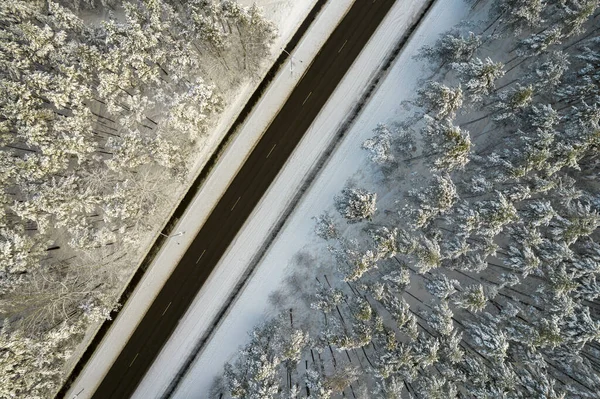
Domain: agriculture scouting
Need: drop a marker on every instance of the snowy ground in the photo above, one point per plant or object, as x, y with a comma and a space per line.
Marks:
252, 305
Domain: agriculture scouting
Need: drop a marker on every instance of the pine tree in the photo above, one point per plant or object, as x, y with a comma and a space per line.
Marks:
390, 388
428, 255
449, 144
512, 102
479, 76
472, 298
352, 261
356, 204
435, 199
316, 387
573, 14
518, 15
488, 340
452, 47
440, 100
440, 319
255, 375
539, 43
380, 145
325, 227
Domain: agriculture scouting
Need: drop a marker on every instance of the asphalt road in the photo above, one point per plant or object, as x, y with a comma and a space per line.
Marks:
243, 194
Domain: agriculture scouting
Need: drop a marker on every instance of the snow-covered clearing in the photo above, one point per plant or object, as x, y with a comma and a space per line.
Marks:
252, 304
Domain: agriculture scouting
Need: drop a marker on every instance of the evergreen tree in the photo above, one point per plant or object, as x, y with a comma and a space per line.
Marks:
255, 375
452, 47
440, 100
449, 144
479, 76
435, 199
356, 204
380, 145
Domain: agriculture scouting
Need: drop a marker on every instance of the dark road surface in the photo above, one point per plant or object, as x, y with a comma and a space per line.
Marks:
247, 188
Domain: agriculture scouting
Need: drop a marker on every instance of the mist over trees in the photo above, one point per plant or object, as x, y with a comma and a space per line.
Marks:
103, 107
481, 277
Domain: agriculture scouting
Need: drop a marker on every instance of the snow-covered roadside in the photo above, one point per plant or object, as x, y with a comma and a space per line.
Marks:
252, 304
223, 280
287, 15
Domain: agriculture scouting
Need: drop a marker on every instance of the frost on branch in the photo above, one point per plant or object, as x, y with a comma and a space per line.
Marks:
449, 145
452, 47
380, 145
19, 254
479, 76
434, 200
255, 374
325, 227
356, 204
30, 367
440, 100
353, 261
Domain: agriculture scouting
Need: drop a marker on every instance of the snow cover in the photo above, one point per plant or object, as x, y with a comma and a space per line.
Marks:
252, 304
288, 15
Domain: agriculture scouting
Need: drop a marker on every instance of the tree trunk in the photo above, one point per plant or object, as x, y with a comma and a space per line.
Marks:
474, 120
332, 356
582, 39
505, 85
493, 22
516, 65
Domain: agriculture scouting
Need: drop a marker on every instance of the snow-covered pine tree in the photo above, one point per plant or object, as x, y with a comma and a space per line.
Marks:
356, 204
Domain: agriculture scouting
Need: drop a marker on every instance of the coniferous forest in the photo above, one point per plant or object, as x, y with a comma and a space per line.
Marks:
481, 280
104, 107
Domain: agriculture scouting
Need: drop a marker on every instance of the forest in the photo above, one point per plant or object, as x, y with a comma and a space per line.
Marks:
479, 276
104, 108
